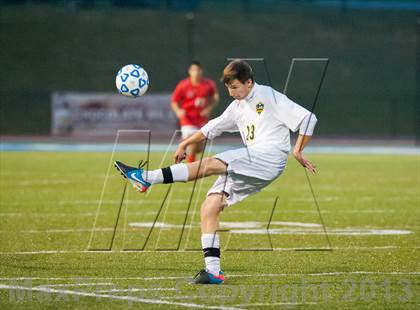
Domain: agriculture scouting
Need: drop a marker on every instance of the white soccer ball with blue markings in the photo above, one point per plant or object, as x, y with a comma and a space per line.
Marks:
132, 81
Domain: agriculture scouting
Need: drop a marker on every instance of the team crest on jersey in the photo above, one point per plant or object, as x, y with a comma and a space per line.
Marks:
259, 107
190, 94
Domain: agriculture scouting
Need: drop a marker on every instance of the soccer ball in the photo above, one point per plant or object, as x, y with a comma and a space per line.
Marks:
132, 81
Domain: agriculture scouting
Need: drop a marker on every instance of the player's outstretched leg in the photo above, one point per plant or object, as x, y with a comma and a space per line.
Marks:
210, 240
142, 179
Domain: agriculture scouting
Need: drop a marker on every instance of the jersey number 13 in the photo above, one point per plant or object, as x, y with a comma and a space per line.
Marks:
250, 132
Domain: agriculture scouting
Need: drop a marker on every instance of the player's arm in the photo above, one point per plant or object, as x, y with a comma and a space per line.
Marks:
177, 96
180, 153
303, 140
215, 127
212, 103
212, 100
296, 117
306, 130
176, 108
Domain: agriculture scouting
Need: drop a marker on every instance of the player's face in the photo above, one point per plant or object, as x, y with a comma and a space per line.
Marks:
195, 72
238, 90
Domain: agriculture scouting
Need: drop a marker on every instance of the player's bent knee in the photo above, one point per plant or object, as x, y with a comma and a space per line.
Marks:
213, 205
215, 166
210, 210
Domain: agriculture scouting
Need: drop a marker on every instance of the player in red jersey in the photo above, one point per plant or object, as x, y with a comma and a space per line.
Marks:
193, 101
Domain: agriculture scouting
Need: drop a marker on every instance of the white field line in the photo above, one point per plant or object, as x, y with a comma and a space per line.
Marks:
76, 284
183, 200
48, 214
131, 201
298, 224
225, 224
195, 297
320, 274
253, 228
369, 248
65, 230
116, 297
241, 211
275, 304
338, 232
141, 202
116, 290
91, 278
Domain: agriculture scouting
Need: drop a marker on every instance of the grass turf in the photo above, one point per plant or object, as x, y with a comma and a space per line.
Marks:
49, 202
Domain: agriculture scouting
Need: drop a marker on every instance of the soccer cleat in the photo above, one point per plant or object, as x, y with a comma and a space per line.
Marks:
133, 174
204, 277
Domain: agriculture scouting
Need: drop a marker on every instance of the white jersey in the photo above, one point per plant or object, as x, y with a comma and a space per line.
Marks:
263, 119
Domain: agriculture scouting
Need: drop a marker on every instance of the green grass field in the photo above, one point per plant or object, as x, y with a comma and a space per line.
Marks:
49, 203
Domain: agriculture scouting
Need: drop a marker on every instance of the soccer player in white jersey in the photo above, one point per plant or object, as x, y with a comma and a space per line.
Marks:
263, 117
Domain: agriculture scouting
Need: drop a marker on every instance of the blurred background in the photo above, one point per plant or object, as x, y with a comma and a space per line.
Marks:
52, 48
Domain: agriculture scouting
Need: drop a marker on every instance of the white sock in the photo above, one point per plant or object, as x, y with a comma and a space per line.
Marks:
153, 176
179, 173
209, 243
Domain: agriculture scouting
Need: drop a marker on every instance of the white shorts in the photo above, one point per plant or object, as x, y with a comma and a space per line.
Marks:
188, 130
246, 176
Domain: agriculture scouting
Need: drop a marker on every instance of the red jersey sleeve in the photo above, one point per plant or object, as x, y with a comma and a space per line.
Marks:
178, 94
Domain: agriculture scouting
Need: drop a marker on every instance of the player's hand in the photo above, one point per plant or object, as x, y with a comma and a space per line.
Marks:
180, 154
180, 113
205, 113
304, 162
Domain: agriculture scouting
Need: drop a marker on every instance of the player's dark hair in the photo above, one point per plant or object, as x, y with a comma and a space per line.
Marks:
237, 70
196, 63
